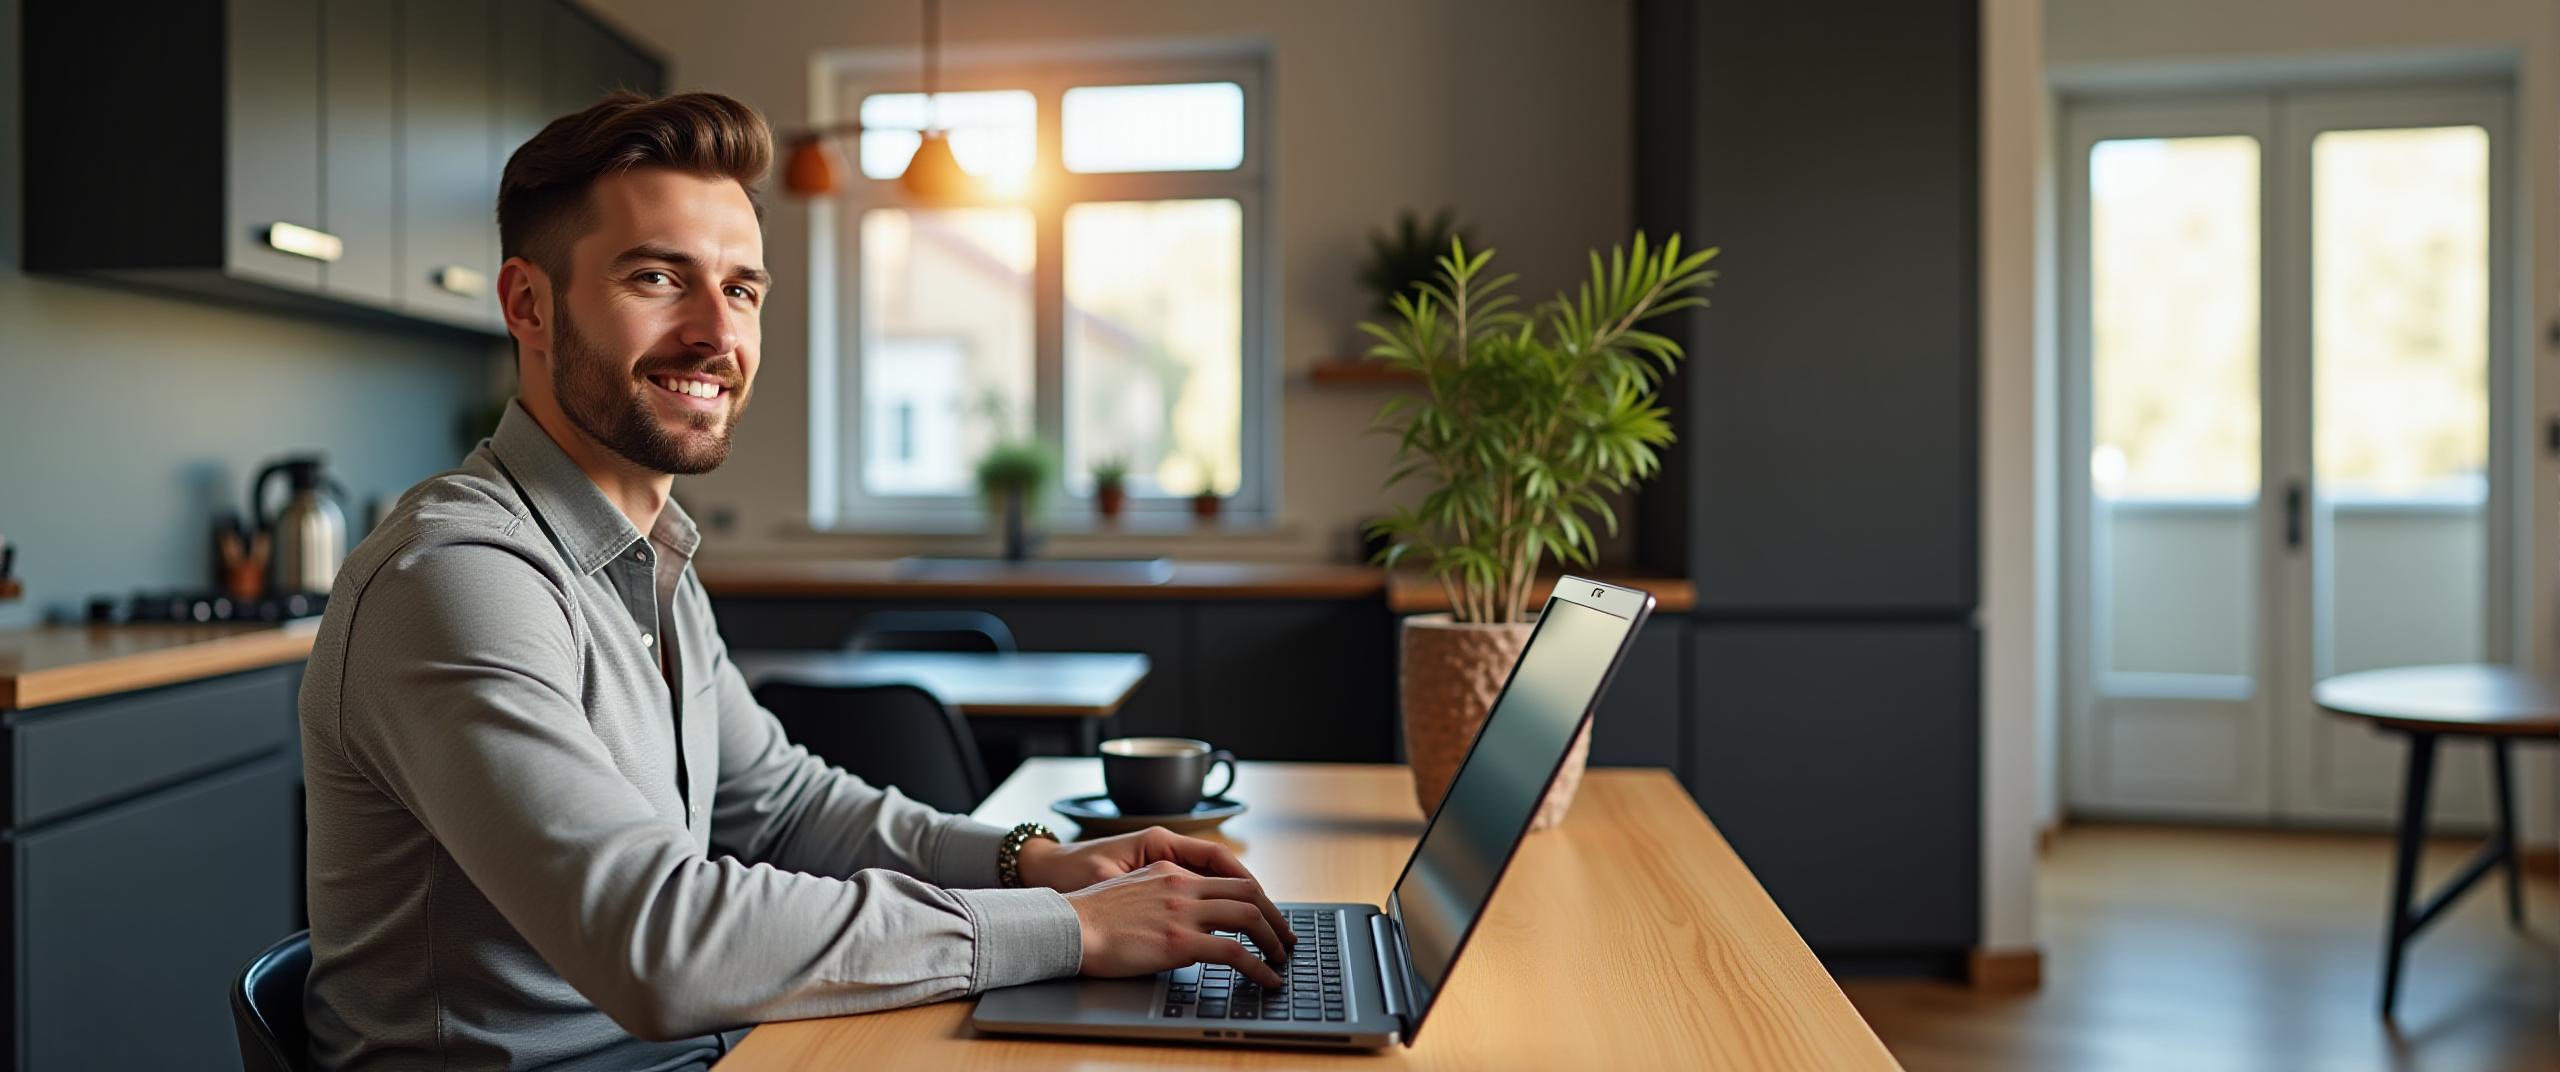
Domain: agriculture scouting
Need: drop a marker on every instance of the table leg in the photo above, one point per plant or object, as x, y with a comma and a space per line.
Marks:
2404, 874
2503, 775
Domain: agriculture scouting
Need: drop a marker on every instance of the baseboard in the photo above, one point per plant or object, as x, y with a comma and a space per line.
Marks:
2543, 862
2005, 971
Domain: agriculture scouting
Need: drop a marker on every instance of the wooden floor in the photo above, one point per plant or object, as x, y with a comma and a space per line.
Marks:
2199, 950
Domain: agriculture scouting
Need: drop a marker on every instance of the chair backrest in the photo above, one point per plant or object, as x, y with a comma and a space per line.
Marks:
930, 630
897, 735
266, 1007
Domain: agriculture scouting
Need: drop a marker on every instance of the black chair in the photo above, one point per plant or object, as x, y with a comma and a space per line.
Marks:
266, 1007
930, 630
897, 735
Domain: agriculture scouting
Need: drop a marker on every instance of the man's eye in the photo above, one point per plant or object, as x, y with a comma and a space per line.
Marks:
742, 292
656, 277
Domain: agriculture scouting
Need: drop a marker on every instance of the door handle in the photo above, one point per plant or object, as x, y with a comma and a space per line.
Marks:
2293, 516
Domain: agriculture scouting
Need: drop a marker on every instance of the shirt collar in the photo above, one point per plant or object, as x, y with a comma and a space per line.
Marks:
590, 529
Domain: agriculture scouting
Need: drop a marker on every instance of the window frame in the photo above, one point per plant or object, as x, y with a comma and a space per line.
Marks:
840, 81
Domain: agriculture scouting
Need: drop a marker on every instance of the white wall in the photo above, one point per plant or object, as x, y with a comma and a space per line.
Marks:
2165, 44
1516, 112
2016, 609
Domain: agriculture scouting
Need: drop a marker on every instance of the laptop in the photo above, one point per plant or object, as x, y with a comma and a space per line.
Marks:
1362, 976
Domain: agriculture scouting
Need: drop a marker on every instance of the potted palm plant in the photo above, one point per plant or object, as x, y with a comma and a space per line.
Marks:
1526, 418
1110, 487
1011, 478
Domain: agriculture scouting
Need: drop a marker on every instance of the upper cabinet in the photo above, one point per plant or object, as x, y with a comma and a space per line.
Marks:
322, 155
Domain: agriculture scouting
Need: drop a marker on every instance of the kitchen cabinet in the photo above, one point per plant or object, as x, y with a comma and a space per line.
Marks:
329, 156
1295, 680
448, 163
1823, 492
1640, 717
1308, 679
1842, 761
152, 848
360, 153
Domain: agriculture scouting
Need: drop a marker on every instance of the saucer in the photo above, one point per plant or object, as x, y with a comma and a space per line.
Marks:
1095, 814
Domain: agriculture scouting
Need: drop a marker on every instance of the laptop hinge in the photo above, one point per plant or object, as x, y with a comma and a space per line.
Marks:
1388, 947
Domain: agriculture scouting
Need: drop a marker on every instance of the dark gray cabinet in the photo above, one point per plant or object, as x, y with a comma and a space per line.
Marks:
334, 156
1268, 679
153, 846
448, 163
1298, 680
1843, 764
360, 153
1823, 493
1640, 717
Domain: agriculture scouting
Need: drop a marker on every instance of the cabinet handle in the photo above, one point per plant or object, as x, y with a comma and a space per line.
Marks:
304, 241
456, 279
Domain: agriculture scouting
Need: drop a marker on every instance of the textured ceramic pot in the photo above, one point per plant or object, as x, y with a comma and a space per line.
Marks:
1449, 674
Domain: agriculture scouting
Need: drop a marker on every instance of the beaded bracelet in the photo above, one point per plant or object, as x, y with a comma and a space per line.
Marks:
1009, 855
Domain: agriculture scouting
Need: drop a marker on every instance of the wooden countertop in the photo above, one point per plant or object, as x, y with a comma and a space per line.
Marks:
56, 664
1416, 593
1630, 936
1188, 580
1406, 592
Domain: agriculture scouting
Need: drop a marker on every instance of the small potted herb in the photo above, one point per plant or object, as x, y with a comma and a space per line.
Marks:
1205, 505
1110, 486
1012, 478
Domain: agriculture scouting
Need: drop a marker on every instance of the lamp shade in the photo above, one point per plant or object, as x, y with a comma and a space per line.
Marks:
933, 174
814, 170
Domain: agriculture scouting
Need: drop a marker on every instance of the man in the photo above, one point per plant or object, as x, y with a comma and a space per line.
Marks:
549, 826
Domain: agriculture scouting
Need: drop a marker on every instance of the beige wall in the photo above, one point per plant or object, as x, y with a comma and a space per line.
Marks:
1516, 112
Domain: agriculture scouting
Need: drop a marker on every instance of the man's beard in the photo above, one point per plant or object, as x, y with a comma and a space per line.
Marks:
620, 415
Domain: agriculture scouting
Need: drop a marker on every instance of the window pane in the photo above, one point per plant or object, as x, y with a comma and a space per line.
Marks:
992, 131
2173, 296
1155, 343
946, 344
1192, 127
2400, 304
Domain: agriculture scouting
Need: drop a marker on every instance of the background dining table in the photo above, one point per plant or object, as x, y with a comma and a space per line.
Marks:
1086, 686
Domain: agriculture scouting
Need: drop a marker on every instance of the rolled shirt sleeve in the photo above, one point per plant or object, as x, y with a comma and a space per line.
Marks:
474, 721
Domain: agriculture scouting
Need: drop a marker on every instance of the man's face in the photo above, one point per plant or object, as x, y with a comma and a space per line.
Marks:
656, 336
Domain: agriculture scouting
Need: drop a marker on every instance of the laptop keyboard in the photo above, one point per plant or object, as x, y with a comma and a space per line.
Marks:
1313, 992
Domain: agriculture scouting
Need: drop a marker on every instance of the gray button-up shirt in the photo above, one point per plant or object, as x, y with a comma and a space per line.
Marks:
550, 827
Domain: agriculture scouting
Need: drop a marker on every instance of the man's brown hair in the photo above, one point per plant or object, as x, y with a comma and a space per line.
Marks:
542, 195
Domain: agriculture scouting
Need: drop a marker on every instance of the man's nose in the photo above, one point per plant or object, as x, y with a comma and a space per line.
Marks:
711, 325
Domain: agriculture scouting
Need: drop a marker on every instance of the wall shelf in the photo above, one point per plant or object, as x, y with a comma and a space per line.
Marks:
1359, 372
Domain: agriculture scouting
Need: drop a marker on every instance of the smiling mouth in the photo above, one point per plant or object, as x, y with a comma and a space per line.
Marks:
690, 387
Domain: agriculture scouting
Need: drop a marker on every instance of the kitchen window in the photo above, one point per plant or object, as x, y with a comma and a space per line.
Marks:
1103, 291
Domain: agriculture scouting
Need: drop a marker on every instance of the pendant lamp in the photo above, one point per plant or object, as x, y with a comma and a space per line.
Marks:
932, 174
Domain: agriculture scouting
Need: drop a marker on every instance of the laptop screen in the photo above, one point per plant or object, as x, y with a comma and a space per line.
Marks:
1470, 838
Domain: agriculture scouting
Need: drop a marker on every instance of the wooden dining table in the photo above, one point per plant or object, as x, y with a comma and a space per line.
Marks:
2496, 704
1086, 686
1629, 936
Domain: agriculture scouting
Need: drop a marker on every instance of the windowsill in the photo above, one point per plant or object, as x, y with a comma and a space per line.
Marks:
946, 528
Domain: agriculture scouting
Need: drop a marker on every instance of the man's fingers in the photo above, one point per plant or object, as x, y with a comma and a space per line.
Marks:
1239, 916
1250, 892
1204, 856
1215, 950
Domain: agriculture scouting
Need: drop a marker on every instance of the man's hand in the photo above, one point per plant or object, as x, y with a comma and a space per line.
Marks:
1068, 868
1162, 916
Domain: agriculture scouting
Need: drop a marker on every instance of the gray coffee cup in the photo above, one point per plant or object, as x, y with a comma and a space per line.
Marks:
1161, 775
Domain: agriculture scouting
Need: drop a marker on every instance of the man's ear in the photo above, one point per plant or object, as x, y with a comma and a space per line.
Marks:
526, 299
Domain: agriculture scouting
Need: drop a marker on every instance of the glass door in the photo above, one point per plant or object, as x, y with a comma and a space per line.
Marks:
2280, 318
2164, 393
2395, 211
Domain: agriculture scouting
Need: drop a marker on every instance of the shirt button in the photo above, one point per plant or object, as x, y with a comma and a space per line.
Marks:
639, 554
647, 640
